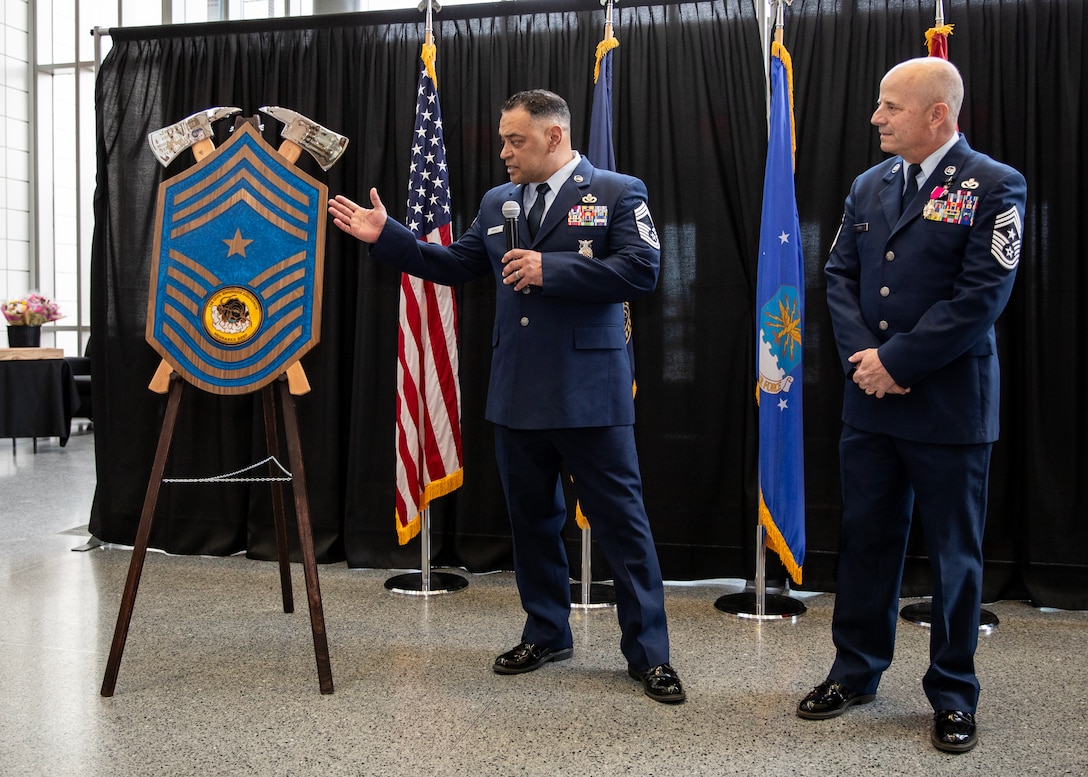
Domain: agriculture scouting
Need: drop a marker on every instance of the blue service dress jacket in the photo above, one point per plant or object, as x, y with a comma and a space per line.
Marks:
560, 356
925, 288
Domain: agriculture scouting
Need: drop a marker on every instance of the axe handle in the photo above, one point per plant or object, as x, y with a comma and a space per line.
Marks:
202, 148
160, 383
290, 150
297, 382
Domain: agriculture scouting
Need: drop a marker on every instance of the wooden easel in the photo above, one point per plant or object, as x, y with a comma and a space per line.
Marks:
293, 381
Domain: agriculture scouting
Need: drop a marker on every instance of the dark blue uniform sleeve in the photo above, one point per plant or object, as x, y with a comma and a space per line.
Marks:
462, 261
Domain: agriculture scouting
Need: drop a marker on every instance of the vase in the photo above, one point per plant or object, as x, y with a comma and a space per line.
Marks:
24, 336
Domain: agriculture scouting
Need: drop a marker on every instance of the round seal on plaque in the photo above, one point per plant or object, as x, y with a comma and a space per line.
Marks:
232, 315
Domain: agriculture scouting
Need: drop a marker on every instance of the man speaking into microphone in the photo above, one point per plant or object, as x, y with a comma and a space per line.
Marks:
560, 387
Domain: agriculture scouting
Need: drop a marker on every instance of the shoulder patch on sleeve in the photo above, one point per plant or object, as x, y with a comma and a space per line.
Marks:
645, 225
1005, 241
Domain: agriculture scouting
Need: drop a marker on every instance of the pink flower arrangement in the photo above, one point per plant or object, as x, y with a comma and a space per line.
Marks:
32, 310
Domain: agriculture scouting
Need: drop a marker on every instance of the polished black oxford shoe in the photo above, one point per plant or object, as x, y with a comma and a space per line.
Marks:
830, 699
660, 683
954, 731
526, 657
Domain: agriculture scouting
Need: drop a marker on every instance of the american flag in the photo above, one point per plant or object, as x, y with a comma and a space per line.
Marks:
428, 454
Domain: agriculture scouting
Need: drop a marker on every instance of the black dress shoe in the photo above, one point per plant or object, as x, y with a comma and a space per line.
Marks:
526, 657
830, 699
954, 731
660, 683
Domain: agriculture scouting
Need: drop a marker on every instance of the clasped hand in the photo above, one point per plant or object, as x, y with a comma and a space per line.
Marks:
871, 377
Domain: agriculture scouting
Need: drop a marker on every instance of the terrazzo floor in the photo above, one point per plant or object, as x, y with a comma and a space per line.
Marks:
217, 680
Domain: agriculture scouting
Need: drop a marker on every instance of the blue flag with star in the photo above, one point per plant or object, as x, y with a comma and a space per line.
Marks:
780, 286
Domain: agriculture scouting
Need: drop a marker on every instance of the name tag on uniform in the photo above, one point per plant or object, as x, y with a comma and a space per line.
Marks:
495, 230
861, 227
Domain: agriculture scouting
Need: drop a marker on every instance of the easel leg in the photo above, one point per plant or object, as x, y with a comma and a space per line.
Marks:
306, 538
143, 533
272, 440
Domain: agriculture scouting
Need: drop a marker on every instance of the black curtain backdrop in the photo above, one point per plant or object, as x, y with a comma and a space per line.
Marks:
690, 119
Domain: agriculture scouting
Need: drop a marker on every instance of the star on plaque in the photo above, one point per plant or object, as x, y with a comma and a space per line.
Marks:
237, 245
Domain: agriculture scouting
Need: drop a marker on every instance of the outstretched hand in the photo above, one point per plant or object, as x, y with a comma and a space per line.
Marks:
362, 223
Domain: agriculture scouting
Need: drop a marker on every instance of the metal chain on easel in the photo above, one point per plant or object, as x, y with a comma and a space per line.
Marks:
232, 477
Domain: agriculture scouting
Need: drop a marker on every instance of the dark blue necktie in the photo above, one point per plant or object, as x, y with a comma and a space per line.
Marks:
912, 186
536, 213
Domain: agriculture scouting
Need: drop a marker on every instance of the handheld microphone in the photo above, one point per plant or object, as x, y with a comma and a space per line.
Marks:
510, 211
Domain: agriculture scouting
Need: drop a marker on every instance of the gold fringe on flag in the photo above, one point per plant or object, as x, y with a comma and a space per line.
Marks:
603, 48
433, 490
778, 50
776, 542
429, 54
580, 517
944, 29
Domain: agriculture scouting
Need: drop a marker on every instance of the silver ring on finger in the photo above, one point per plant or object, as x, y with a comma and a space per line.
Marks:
517, 274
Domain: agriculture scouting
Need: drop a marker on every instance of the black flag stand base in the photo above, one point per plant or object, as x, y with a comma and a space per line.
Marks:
425, 582
921, 614
758, 604
746, 605
588, 595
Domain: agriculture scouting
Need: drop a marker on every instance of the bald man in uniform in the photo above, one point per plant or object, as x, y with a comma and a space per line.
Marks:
922, 267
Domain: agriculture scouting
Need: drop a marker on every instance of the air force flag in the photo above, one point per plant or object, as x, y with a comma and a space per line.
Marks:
780, 306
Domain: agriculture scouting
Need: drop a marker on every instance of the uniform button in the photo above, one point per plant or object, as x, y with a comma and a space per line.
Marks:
525, 321
883, 325
885, 291
890, 256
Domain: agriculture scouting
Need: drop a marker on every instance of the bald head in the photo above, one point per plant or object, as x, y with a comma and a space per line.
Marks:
935, 80
919, 107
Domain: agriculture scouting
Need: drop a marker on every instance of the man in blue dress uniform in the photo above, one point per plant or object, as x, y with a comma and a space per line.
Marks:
560, 385
923, 265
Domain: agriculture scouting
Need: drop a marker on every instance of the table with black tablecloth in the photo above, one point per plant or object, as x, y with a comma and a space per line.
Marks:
37, 398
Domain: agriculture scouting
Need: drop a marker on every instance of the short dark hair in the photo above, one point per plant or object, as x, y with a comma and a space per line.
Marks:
541, 104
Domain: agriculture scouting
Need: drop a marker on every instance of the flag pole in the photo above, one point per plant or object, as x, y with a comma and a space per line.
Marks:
586, 595
757, 604
426, 583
